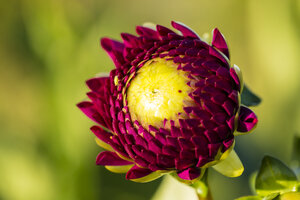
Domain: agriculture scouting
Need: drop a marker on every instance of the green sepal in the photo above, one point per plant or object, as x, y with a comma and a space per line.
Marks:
148, 178
119, 169
231, 166
274, 177
248, 98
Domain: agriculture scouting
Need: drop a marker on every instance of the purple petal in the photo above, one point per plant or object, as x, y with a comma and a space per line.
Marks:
189, 173
114, 50
111, 159
203, 160
247, 120
235, 78
97, 84
219, 42
89, 110
185, 30
218, 55
147, 32
130, 40
163, 31
213, 149
181, 164
102, 134
165, 161
136, 172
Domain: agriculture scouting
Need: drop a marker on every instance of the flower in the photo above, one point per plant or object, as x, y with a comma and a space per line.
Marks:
172, 105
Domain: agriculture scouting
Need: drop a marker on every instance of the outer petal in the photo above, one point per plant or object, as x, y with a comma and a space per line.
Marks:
247, 121
97, 84
231, 166
142, 175
147, 32
219, 42
114, 50
111, 159
89, 110
185, 30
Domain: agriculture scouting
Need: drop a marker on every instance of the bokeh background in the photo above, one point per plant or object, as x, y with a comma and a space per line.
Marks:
49, 48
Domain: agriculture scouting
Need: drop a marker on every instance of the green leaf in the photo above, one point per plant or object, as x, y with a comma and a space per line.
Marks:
249, 198
296, 152
274, 177
248, 98
273, 196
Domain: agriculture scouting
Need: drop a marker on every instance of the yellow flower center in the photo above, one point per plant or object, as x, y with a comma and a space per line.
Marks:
157, 92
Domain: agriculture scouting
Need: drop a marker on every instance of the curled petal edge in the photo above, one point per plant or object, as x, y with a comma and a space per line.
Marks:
247, 121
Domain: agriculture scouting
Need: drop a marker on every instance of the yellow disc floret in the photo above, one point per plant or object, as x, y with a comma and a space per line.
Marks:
157, 92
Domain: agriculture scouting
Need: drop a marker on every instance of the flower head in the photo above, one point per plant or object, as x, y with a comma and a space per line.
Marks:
172, 105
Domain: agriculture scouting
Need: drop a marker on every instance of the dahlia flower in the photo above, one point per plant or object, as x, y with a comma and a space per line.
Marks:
171, 105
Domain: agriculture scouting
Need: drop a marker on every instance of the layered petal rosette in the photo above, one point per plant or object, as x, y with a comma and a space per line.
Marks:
171, 105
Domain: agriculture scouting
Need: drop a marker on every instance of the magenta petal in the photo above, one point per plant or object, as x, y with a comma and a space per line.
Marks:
136, 172
189, 173
163, 31
114, 50
130, 40
247, 120
147, 32
219, 42
89, 110
235, 78
218, 55
185, 30
102, 134
111, 159
96, 84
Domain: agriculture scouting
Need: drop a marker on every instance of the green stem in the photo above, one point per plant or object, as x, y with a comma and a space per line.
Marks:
202, 188
208, 196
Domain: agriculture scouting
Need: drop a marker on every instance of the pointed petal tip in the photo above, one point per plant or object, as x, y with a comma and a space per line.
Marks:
84, 104
219, 42
106, 44
184, 29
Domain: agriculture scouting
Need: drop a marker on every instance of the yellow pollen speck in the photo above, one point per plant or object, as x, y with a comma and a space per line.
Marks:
157, 92
116, 80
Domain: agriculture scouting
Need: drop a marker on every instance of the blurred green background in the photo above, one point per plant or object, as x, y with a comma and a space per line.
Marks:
49, 48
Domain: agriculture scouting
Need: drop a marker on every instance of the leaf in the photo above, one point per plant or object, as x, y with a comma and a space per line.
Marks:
273, 196
296, 151
249, 198
248, 98
274, 177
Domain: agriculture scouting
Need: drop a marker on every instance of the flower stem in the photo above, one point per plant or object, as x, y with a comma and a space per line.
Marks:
208, 196
202, 188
